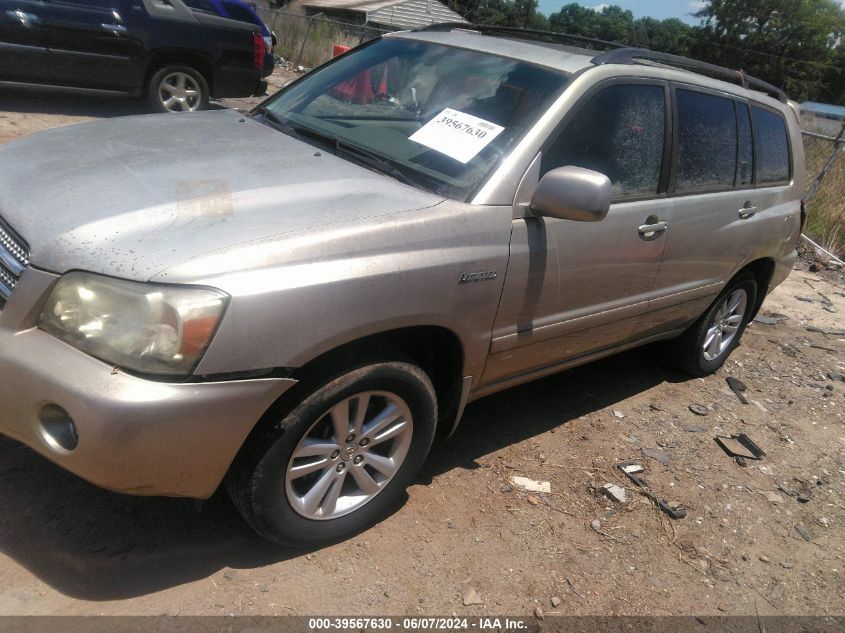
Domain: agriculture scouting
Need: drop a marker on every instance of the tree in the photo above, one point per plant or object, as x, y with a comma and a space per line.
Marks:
790, 43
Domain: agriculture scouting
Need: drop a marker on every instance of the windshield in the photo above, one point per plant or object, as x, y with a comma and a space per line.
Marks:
437, 117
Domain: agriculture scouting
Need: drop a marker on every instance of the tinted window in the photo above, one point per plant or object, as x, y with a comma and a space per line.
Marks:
745, 168
707, 141
619, 133
237, 12
202, 5
95, 4
772, 147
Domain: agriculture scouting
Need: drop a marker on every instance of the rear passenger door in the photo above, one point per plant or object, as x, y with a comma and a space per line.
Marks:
23, 52
713, 209
92, 44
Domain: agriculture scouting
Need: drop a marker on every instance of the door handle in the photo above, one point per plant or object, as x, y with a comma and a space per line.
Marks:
747, 211
27, 19
652, 230
117, 29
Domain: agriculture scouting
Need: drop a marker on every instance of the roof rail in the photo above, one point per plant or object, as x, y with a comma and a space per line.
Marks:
631, 55
526, 34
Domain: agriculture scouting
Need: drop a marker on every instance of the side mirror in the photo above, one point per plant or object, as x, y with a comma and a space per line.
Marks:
573, 193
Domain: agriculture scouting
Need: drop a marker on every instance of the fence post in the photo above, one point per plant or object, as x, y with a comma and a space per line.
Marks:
305, 39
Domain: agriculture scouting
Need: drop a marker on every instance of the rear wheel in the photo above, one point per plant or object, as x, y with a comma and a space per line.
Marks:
706, 345
335, 464
177, 89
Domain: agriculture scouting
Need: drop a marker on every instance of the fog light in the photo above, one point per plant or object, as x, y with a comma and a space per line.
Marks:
58, 427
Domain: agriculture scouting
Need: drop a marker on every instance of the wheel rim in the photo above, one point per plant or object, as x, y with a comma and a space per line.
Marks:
349, 455
725, 324
179, 92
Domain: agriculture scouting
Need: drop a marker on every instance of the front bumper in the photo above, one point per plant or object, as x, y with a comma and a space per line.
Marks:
136, 436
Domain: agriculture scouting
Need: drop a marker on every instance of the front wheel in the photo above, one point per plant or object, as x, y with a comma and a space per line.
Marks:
336, 463
706, 345
177, 89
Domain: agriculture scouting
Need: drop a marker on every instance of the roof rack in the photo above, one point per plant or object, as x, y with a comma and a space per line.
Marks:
632, 55
616, 53
526, 34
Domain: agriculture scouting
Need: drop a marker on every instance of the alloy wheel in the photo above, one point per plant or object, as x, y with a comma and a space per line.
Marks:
725, 324
349, 455
179, 92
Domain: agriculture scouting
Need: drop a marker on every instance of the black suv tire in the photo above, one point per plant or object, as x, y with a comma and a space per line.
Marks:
187, 87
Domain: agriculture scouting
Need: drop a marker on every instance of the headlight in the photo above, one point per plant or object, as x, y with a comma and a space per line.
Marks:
144, 327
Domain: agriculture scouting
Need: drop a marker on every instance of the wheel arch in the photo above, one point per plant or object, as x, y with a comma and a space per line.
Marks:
435, 349
762, 270
180, 57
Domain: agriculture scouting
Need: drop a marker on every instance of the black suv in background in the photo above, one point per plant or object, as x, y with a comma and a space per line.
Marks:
161, 49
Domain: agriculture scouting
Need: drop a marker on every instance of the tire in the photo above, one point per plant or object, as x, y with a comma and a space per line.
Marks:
689, 349
186, 87
270, 480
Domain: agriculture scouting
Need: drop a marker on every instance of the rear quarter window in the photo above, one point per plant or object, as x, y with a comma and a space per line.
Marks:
772, 155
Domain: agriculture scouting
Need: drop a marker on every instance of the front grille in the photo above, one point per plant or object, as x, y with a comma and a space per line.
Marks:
14, 257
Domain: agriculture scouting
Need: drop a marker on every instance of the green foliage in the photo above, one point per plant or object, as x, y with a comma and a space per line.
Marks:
795, 44
791, 43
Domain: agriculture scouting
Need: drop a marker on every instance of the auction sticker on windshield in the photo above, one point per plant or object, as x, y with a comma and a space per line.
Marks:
457, 134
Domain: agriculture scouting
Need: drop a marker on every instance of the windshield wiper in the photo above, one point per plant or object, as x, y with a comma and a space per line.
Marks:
361, 155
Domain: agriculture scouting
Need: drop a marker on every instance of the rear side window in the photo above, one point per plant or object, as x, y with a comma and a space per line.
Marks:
239, 13
618, 132
707, 141
772, 147
202, 5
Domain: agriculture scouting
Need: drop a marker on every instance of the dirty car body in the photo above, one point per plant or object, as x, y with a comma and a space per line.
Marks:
473, 265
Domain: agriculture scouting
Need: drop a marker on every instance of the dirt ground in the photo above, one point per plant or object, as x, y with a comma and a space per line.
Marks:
766, 538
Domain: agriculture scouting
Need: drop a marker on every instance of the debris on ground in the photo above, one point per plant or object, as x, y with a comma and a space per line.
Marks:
661, 456
804, 532
631, 469
618, 414
698, 409
678, 512
740, 446
538, 613
615, 493
737, 386
555, 601
772, 496
531, 485
471, 597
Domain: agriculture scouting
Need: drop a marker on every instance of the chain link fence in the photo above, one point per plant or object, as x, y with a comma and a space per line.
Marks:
309, 41
825, 198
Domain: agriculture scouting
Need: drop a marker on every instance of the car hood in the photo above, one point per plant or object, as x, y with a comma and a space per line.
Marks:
132, 197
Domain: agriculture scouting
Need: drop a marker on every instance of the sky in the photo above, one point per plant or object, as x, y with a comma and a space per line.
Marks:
659, 9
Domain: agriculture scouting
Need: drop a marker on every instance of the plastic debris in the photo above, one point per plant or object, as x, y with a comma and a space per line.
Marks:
531, 485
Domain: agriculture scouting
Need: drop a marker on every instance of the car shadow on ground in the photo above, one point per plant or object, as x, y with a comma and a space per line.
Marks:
33, 99
91, 544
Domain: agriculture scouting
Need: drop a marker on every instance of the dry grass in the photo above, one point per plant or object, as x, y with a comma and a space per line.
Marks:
826, 222
291, 30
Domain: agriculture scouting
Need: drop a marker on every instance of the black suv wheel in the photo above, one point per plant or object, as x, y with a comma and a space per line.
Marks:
177, 89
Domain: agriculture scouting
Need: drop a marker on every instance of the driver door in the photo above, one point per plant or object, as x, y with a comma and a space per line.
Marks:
574, 288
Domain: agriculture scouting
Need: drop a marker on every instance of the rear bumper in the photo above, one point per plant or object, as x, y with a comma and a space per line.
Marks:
135, 436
